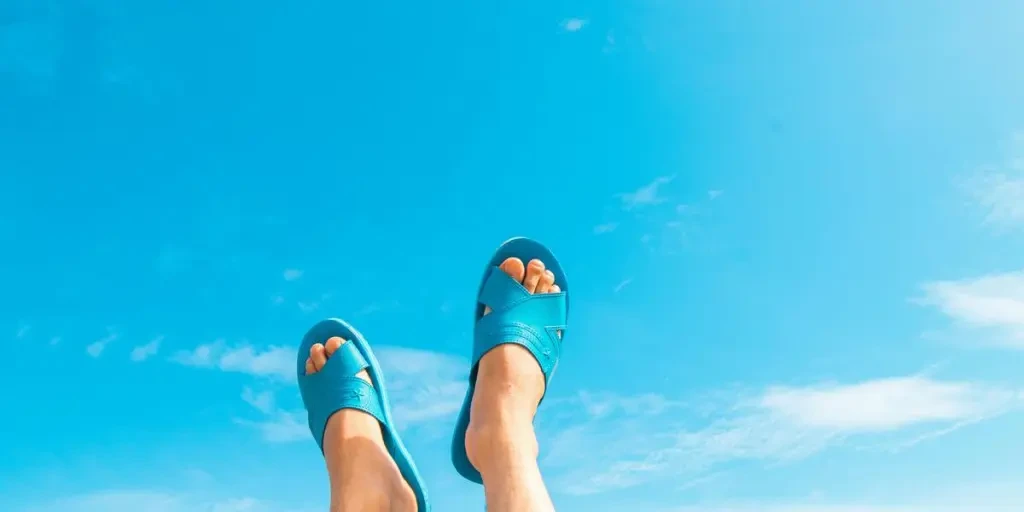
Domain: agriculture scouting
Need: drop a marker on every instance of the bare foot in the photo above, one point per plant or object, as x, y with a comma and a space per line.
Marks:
363, 475
509, 385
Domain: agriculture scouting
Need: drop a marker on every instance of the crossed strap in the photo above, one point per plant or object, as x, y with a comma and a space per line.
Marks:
522, 318
335, 387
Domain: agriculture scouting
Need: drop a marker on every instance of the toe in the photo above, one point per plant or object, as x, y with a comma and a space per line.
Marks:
546, 280
515, 268
534, 271
319, 357
332, 345
309, 366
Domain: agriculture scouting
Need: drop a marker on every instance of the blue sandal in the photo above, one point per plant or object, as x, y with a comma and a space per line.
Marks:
336, 387
516, 316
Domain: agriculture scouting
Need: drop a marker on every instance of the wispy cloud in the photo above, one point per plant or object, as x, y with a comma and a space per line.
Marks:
377, 307
308, 307
966, 496
574, 24
143, 352
714, 194
645, 195
884, 404
275, 362
934, 506
262, 401
280, 426
118, 500
999, 189
424, 385
95, 349
601, 229
22, 332
779, 424
989, 308
624, 283
292, 274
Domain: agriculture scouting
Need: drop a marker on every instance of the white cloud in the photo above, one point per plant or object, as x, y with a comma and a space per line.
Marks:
423, 385
309, 307
96, 348
116, 501
263, 401
281, 427
143, 352
1002, 196
276, 362
605, 228
645, 195
1000, 189
238, 505
155, 501
601, 405
23, 332
884, 404
779, 424
825, 507
574, 24
292, 274
991, 305
965, 496
713, 194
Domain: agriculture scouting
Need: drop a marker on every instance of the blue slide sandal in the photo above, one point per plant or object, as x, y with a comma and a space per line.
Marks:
516, 316
336, 387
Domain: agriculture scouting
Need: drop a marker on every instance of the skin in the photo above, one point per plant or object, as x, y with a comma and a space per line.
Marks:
500, 441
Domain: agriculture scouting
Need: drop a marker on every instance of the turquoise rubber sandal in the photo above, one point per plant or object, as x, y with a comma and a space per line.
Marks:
336, 387
516, 316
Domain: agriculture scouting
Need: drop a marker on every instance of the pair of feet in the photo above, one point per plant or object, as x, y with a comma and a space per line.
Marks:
509, 387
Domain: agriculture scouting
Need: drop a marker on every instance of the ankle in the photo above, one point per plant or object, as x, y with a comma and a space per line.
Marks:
360, 497
510, 371
362, 473
348, 424
501, 444
359, 492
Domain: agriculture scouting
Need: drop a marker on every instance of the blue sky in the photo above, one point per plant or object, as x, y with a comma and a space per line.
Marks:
794, 232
